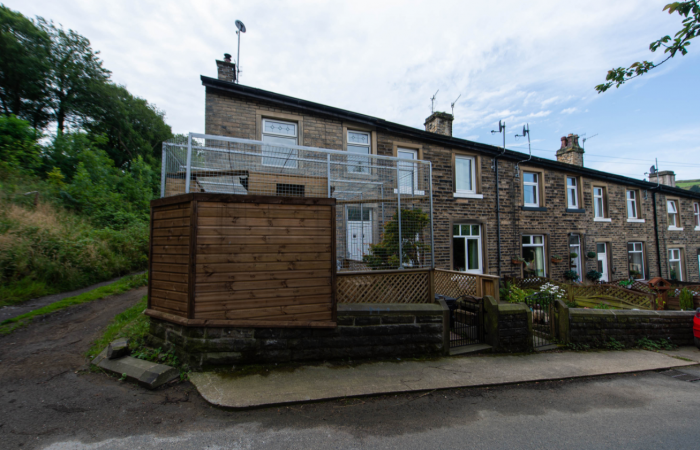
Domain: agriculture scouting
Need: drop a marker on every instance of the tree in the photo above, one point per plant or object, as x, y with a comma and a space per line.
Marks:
695, 188
19, 149
24, 66
76, 76
385, 255
691, 29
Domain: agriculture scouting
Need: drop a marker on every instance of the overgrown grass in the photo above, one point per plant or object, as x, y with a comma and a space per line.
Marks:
118, 287
46, 249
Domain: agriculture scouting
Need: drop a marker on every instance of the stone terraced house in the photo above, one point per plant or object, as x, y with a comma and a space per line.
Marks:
617, 225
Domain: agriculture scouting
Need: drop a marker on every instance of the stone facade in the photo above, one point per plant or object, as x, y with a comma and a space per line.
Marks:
594, 327
363, 331
440, 123
507, 326
570, 152
232, 112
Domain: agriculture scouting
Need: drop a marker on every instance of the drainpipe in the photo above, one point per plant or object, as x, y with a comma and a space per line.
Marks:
501, 129
656, 230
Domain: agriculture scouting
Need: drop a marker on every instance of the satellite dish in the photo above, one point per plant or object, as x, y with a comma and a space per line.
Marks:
240, 26
652, 170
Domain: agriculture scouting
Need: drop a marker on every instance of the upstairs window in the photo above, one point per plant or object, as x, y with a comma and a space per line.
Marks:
572, 192
672, 207
408, 172
632, 205
279, 136
599, 202
531, 189
696, 214
675, 266
464, 175
358, 143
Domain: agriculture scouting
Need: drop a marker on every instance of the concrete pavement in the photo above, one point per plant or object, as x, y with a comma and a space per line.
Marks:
324, 382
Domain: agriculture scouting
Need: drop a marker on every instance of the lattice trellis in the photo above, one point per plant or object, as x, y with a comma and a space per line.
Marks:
407, 287
530, 282
455, 284
640, 299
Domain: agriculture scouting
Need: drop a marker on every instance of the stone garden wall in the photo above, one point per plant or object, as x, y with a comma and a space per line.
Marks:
363, 331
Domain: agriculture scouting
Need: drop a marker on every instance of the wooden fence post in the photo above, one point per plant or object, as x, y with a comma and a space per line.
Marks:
431, 285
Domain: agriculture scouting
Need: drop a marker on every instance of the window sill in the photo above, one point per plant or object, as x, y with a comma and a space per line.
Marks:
467, 195
675, 229
602, 219
697, 228
533, 208
575, 210
631, 220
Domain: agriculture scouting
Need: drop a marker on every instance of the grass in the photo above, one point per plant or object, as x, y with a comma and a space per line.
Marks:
118, 287
131, 324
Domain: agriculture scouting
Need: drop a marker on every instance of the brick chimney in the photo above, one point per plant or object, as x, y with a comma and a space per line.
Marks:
226, 69
440, 123
570, 152
666, 177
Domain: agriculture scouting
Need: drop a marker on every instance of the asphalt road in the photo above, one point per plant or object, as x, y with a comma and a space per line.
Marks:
49, 400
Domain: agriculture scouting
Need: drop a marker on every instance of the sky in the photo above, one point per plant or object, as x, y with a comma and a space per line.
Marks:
533, 62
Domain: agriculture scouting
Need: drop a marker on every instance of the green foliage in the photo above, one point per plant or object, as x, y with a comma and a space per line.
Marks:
24, 67
650, 344
118, 287
614, 344
594, 275
603, 306
517, 295
131, 324
625, 283
19, 150
686, 300
385, 255
578, 347
571, 304
695, 188
571, 275
690, 11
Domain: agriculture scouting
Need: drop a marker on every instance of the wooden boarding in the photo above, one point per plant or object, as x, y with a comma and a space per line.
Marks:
244, 260
260, 183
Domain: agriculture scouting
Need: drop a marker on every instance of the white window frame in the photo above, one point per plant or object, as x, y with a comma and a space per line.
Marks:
678, 259
536, 184
599, 213
531, 245
572, 193
294, 163
472, 178
696, 215
467, 237
673, 210
356, 146
641, 251
404, 189
632, 204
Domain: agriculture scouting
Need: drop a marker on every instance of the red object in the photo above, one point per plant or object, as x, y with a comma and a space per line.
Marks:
696, 328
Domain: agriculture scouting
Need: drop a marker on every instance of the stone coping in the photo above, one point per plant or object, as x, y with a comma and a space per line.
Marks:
388, 308
627, 312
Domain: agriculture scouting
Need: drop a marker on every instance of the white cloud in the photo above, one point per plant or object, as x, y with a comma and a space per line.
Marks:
569, 110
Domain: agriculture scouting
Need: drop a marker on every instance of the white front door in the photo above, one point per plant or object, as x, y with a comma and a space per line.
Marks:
602, 261
359, 238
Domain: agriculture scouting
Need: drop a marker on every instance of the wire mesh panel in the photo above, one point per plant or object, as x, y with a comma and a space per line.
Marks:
384, 204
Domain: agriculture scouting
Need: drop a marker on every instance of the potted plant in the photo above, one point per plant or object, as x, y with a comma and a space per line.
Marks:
594, 275
635, 274
518, 260
556, 259
571, 275
591, 254
573, 255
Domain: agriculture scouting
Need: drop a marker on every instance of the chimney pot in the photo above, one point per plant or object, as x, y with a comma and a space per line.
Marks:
570, 152
226, 69
227, 57
440, 123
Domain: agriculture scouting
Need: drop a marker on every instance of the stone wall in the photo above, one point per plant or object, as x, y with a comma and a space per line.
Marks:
594, 327
364, 331
507, 326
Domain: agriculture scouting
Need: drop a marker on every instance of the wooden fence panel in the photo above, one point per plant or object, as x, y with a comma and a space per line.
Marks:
384, 286
456, 284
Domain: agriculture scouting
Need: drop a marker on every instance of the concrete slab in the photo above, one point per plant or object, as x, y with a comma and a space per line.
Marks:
147, 374
685, 353
323, 382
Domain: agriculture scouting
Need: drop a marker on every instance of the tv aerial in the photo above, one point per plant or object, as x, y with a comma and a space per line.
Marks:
452, 105
241, 29
432, 101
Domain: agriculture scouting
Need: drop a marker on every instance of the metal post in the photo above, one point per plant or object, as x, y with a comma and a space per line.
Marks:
398, 192
432, 237
362, 228
162, 173
188, 170
328, 172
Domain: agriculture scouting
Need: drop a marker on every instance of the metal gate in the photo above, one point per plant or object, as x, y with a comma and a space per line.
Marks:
542, 306
466, 321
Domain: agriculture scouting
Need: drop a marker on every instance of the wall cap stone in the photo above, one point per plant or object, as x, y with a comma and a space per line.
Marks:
386, 308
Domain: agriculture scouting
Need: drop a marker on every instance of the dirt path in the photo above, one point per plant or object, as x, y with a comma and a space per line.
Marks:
8, 312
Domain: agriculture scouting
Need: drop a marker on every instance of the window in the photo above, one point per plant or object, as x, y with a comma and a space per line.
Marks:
673, 221
696, 215
359, 143
599, 202
533, 253
279, 136
466, 248
575, 248
675, 268
464, 175
531, 189
408, 172
632, 205
572, 192
635, 258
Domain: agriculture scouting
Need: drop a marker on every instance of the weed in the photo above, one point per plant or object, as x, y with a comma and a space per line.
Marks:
650, 344
614, 344
603, 306
578, 347
123, 377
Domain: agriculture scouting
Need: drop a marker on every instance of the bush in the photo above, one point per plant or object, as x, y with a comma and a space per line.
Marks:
571, 275
517, 295
594, 275
686, 300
